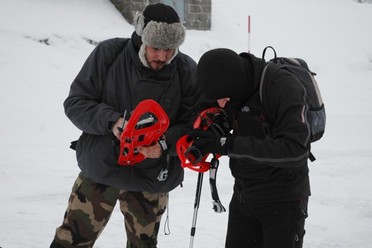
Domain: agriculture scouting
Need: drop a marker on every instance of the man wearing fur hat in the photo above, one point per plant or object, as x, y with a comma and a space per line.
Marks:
118, 75
268, 157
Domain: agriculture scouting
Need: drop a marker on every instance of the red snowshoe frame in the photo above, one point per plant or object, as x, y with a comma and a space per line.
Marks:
136, 134
187, 153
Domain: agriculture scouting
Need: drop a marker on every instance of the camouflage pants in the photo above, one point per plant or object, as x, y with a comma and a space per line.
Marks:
91, 205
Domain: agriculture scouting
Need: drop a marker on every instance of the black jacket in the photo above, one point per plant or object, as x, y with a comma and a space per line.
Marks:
268, 157
112, 80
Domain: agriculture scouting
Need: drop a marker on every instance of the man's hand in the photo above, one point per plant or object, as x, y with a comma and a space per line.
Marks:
118, 127
208, 142
153, 151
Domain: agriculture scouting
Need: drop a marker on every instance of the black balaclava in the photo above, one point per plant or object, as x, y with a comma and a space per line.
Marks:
223, 73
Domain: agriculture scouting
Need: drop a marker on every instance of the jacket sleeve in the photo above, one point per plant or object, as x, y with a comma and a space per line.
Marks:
287, 144
190, 99
84, 106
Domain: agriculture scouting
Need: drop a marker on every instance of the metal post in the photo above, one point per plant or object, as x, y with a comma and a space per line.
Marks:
249, 34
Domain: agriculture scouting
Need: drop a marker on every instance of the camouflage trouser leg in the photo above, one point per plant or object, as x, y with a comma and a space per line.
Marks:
142, 213
89, 209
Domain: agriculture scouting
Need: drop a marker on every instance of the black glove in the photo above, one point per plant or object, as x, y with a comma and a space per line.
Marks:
208, 142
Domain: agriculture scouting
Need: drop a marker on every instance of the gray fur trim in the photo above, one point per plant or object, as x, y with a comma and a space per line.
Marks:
173, 56
163, 35
141, 55
139, 22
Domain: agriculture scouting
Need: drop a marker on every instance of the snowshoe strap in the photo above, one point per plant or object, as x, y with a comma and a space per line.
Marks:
217, 205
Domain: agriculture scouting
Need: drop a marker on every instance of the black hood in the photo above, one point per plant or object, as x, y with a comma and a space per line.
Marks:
223, 73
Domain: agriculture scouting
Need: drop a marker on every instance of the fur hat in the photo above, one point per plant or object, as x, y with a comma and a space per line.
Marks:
159, 26
223, 73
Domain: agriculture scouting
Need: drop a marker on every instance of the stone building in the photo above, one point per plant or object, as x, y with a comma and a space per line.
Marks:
196, 14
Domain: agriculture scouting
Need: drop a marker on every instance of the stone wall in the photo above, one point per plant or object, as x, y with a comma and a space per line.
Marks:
197, 13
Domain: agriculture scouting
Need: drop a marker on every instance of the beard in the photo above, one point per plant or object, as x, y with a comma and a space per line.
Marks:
156, 65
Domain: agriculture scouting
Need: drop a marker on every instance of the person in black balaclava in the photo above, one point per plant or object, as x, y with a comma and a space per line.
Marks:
268, 156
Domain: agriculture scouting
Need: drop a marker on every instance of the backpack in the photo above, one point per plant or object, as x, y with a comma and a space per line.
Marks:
316, 115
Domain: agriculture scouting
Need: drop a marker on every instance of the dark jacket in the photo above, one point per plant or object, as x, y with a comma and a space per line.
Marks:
112, 80
268, 157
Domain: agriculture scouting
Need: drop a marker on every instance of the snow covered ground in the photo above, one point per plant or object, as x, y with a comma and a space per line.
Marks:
43, 45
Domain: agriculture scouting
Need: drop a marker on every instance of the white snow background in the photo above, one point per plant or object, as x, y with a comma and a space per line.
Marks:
43, 45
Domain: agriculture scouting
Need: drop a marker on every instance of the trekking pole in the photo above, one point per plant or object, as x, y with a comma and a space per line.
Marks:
196, 207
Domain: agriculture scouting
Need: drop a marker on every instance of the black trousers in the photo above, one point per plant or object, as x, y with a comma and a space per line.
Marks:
266, 224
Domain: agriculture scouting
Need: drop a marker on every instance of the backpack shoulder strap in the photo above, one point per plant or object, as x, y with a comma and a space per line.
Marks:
113, 47
267, 76
117, 45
